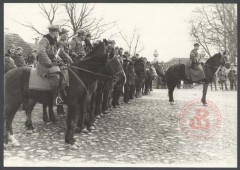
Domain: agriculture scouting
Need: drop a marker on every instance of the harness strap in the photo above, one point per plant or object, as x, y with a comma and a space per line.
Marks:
211, 66
92, 72
78, 79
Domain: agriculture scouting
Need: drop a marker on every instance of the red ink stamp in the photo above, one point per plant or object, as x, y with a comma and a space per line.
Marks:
199, 122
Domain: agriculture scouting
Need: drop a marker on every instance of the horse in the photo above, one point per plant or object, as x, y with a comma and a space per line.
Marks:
83, 79
17, 92
176, 73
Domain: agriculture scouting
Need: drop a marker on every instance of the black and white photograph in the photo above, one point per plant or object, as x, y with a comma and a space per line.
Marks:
120, 85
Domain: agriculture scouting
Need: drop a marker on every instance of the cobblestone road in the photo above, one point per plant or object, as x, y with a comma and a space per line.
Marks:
143, 133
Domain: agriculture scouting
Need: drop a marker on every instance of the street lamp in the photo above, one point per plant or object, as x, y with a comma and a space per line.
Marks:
155, 54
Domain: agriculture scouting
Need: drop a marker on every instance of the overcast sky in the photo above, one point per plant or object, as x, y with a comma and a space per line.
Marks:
162, 26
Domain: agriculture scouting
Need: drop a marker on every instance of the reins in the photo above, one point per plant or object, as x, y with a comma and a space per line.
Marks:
88, 71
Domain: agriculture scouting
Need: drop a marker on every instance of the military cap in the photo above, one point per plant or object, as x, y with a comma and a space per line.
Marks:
126, 53
196, 44
224, 53
120, 48
34, 50
112, 42
53, 28
12, 46
19, 48
130, 62
116, 48
81, 32
88, 34
63, 31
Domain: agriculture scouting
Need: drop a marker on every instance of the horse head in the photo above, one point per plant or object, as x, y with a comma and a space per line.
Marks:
216, 60
225, 61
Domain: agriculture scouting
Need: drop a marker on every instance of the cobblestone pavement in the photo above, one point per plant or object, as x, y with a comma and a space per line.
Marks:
143, 133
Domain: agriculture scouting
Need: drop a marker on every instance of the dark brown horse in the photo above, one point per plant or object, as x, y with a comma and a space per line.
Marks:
82, 85
177, 72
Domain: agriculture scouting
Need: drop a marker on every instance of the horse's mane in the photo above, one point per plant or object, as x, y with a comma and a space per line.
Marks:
95, 60
214, 59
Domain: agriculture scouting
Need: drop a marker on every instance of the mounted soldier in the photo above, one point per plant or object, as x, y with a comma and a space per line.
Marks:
47, 64
77, 46
31, 60
88, 47
193, 69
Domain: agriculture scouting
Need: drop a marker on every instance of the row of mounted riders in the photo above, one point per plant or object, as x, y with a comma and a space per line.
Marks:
95, 84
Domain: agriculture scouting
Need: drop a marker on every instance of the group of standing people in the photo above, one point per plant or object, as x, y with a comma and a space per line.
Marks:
223, 76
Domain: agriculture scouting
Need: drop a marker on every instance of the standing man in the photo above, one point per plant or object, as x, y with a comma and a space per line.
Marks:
193, 70
8, 60
77, 46
47, 63
64, 47
19, 60
222, 74
232, 76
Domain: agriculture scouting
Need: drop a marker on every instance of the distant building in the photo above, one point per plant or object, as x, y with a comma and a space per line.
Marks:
177, 61
11, 38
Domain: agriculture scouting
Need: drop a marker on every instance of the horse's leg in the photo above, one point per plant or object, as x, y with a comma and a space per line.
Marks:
29, 108
91, 112
205, 87
82, 115
60, 110
72, 109
114, 96
170, 93
45, 115
10, 111
52, 117
99, 95
151, 85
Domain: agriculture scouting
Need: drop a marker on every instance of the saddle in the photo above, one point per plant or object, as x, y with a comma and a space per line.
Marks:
37, 82
194, 72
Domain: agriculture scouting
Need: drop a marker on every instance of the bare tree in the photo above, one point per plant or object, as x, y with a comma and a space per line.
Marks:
74, 16
215, 26
132, 42
49, 12
83, 19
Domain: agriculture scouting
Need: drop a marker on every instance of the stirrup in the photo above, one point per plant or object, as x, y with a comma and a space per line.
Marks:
58, 101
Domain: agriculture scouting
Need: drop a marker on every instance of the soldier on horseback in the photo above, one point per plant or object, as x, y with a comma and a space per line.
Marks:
194, 70
77, 46
47, 64
88, 47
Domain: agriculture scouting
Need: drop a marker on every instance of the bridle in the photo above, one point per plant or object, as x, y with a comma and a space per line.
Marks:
70, 68
222, 58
